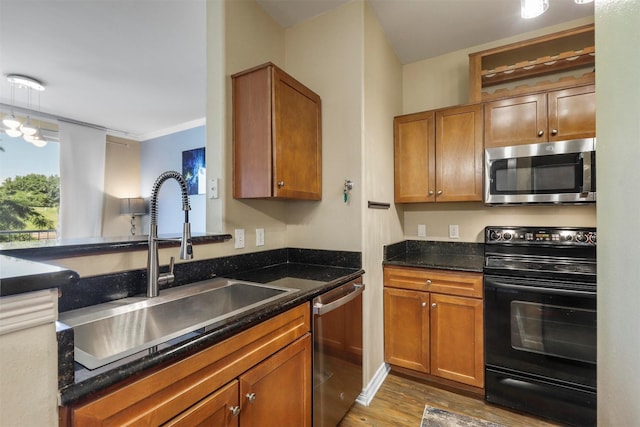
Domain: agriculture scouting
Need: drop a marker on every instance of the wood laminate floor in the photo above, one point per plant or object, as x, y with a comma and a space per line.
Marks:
400, 402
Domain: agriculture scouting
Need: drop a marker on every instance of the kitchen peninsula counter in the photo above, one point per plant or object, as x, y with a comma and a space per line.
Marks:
19, 276
458, 256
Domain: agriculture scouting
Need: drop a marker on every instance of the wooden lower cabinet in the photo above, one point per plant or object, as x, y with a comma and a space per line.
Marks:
218, 409
258, 377
276, 392
406, 328
436, 335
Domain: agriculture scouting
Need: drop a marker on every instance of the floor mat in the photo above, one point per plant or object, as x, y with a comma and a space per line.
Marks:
435, 417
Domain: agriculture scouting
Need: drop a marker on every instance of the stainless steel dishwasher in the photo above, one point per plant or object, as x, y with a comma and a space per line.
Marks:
337, 353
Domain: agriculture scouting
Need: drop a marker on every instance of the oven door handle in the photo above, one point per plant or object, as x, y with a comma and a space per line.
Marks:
567, 292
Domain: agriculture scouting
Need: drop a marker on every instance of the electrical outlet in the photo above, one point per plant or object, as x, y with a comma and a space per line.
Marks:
454, 232
239, 240
422, 230
259, 236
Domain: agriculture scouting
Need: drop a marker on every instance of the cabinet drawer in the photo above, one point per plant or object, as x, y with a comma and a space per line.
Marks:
431, 280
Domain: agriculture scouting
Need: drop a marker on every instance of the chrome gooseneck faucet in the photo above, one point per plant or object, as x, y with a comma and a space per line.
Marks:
154, 278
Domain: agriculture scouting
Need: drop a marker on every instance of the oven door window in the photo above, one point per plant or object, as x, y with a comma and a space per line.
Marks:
551, 330
555, 174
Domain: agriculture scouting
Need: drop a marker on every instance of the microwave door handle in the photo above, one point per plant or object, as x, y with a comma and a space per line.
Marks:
586, 174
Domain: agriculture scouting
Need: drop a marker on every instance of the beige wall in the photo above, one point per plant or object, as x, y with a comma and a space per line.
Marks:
444, 81
122, 179
251, 38
325, 53
382, 100
618, 106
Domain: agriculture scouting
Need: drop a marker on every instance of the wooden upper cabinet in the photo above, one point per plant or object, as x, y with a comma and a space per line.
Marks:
277, 141
414, 157
438, 155
531, 119
515, 121
459, 154
572, 113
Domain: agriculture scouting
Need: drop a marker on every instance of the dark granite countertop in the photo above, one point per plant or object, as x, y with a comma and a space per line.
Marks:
19, 276
64, 248
297, 269
440, 255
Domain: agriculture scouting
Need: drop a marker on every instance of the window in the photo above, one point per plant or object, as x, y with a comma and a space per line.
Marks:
29, 189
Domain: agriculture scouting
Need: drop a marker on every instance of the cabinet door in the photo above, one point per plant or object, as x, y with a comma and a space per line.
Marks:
572, 113
252, 139
414, 157
459, 154
515, 121
457, 347
216, 410
406, 329
297, 128
277, 392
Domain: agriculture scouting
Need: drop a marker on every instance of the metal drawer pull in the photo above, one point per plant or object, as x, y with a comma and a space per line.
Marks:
428, 281
251, 397
235, 410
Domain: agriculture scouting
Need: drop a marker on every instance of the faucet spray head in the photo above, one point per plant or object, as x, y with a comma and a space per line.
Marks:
186, 249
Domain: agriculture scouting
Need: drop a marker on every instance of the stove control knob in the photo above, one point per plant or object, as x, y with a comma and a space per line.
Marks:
494, 235
593, 238
506, 235
568, 237
580, 237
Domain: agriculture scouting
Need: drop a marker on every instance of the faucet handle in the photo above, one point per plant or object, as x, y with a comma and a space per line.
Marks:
172, 261
167, 277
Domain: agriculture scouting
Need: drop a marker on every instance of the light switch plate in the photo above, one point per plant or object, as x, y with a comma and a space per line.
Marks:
454, 232
213, 188
239, 238
259, 236
422, 230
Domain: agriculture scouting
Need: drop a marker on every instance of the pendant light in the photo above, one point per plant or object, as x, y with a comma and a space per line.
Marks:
13, 127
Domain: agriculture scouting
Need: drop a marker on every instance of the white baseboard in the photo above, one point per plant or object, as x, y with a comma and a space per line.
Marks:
367, 394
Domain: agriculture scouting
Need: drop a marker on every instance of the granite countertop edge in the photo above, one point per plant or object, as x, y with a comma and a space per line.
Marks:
83, 247
75, 391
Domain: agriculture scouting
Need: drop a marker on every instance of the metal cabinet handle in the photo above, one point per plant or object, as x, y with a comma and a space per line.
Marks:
428, 281
439, 192
251, 397
433, 305
235, 410
280, 183
540, 132
424, 304
554, 131
431, 192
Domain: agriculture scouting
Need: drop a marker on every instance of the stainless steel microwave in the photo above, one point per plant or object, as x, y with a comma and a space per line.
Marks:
550, 172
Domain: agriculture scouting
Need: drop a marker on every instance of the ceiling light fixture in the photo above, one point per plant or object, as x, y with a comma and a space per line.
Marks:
583, 1
13, 127
532, 8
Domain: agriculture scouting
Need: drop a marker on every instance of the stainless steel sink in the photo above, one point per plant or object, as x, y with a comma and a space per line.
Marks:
108, 332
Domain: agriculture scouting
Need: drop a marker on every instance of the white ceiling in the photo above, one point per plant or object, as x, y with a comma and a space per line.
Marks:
139, 66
